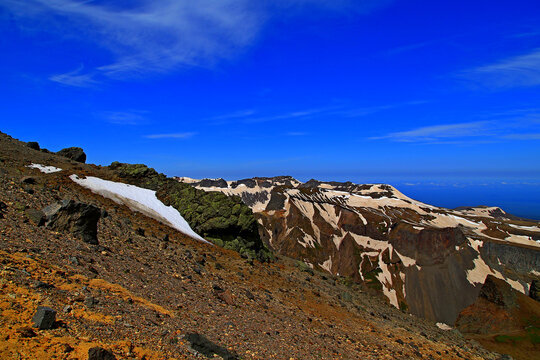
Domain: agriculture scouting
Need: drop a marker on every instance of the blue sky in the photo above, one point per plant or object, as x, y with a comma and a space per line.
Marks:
376, 90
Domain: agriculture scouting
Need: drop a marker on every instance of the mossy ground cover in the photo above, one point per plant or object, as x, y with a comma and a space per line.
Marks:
224, 220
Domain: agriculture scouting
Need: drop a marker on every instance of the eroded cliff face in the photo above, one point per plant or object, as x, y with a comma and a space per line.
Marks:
428, 260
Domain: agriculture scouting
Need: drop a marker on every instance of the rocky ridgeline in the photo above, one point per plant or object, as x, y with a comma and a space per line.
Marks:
427, 260
224, 220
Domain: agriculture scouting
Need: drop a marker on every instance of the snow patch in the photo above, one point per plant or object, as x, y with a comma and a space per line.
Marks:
138, 199
327, 265
407, 261
526, 228
45, 169
522, 239
444, 326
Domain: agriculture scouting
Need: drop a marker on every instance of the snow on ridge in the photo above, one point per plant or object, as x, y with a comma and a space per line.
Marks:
138, 199
44, 168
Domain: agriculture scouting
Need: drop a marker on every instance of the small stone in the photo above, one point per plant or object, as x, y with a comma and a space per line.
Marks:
44, 318
249, 295
226, 297
97, 353
67, 309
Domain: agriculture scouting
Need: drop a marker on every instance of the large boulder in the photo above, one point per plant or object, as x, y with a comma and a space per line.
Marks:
44, 318
33, 145
73, 153
78, 218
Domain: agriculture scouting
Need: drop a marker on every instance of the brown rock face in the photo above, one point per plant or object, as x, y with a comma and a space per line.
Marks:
498, 309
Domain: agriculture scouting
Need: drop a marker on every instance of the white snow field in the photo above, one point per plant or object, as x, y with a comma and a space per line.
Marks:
138, 199
45, 169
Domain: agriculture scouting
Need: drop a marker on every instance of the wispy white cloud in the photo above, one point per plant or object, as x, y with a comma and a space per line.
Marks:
523, 70
342, 111
292, 115
132, 117
517, 124
532, 136
158, 36
76, 78
185, 135
438, 132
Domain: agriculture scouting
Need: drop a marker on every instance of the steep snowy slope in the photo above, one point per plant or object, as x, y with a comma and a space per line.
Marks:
429, 260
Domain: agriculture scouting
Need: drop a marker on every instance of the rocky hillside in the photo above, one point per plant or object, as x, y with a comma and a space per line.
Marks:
503, 319
427, 260
91, 272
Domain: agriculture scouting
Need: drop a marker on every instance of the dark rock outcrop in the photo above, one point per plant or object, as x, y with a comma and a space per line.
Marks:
220, 183
78, 218
28, 180
97, 353
73, 153
33, 145
250, 183
534, 291
499, 309
44, 318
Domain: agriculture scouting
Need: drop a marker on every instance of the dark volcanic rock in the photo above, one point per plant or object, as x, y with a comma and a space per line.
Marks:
220, 183
277, 201
33, 145
78, 218
201, 344
534, 291
498, 292
28, 180
250, 183
73, 153
44, 318
97, 353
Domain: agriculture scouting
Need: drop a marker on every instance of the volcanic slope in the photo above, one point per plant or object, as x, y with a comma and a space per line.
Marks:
428, 260
149, 291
